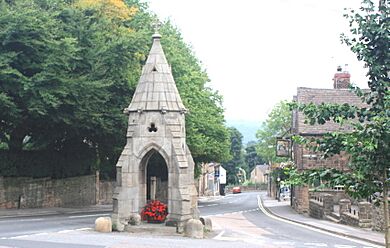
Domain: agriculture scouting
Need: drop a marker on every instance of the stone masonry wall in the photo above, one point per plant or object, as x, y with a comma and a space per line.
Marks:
46, 192
377, 218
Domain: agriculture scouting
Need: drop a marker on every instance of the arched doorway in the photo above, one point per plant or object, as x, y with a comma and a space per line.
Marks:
156, 178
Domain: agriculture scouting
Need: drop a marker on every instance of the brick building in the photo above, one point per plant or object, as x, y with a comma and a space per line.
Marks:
306, 159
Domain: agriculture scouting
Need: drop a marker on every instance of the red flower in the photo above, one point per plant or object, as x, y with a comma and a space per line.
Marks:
154, 211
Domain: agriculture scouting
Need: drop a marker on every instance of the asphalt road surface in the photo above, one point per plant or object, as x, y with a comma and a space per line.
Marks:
237, 222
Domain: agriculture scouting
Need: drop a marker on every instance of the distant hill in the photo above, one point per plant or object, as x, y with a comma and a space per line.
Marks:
248, 129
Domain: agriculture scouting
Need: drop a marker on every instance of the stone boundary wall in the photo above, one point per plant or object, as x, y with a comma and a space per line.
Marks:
349, 219
316, 209
320, 205
378, 218
24, 192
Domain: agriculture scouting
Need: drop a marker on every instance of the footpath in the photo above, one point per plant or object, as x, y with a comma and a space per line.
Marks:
283, 210
29, 212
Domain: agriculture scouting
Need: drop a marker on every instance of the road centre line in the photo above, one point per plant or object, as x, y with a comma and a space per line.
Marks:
262, 208
21, 220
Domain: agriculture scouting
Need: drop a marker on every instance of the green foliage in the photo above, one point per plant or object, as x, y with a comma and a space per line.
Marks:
277, 124
69, 68
237, 160
251, 157
368, 144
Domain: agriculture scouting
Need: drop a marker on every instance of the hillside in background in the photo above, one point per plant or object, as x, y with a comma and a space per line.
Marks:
248, 129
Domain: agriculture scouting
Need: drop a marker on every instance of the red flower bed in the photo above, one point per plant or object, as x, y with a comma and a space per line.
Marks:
154, 211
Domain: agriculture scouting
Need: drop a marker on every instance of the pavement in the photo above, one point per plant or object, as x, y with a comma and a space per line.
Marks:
278, 209
284, 211
29, 212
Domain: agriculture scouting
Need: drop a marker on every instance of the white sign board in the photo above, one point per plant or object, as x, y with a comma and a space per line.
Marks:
222, 175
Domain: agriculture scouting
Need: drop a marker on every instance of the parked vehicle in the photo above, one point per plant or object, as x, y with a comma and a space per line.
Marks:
236, 190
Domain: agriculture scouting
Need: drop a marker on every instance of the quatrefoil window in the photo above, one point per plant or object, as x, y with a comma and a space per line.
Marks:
152, 128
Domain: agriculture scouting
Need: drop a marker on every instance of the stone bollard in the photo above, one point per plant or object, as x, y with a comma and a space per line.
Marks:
208, 226
345, 206
193, 229
135, 220
103, 224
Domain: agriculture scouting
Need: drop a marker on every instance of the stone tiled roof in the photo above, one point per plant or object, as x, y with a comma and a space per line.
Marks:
318, 96
156, 90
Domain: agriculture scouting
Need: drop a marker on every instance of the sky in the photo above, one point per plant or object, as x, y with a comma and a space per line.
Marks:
257, 52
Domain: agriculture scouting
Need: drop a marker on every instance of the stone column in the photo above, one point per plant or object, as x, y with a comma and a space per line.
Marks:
365, 210
153, 188
327, 203
345, 206
365, 213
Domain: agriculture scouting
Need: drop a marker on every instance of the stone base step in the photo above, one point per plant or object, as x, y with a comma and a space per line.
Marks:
331, 218
335, 215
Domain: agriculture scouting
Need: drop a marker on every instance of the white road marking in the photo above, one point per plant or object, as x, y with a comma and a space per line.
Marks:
316, 244
21, 236
261, 207
84, 229
219, 234
210, 205
344, 246
22, 220
65, 231
200, 206
86, 216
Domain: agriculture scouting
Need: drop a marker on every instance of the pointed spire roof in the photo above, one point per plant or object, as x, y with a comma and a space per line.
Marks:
156, 90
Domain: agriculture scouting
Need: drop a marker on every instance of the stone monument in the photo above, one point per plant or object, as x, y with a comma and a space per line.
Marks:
156, 162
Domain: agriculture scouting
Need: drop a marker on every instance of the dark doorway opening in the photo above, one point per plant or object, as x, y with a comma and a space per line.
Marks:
157, 178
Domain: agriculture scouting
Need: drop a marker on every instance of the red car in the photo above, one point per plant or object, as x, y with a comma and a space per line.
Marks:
236, 190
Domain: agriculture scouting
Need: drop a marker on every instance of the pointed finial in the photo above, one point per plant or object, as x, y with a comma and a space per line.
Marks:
156, 26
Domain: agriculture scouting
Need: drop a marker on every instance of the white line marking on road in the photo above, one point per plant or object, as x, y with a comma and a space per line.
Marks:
219, 234
20, 237
84, 229
344, 246
210, 205
86, 216
261, 207
22, 220
200, 206
316, 244
65, 231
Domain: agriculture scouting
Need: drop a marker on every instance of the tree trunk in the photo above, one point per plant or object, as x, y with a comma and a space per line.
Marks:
386, 210
16, 141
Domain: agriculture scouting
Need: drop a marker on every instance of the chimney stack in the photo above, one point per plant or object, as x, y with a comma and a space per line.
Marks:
341, 79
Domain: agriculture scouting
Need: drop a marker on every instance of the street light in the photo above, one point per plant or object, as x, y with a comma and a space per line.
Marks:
278, 188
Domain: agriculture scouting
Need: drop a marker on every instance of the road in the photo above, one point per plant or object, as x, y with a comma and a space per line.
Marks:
239, 218
237, 221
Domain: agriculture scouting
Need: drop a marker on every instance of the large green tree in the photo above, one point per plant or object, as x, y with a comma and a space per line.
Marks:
368, 144
277, 124
251, 157
69, 68
237, 159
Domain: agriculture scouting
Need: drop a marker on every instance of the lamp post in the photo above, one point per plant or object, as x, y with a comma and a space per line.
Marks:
278, 188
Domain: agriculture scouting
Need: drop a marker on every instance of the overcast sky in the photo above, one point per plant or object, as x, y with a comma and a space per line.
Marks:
257, 52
